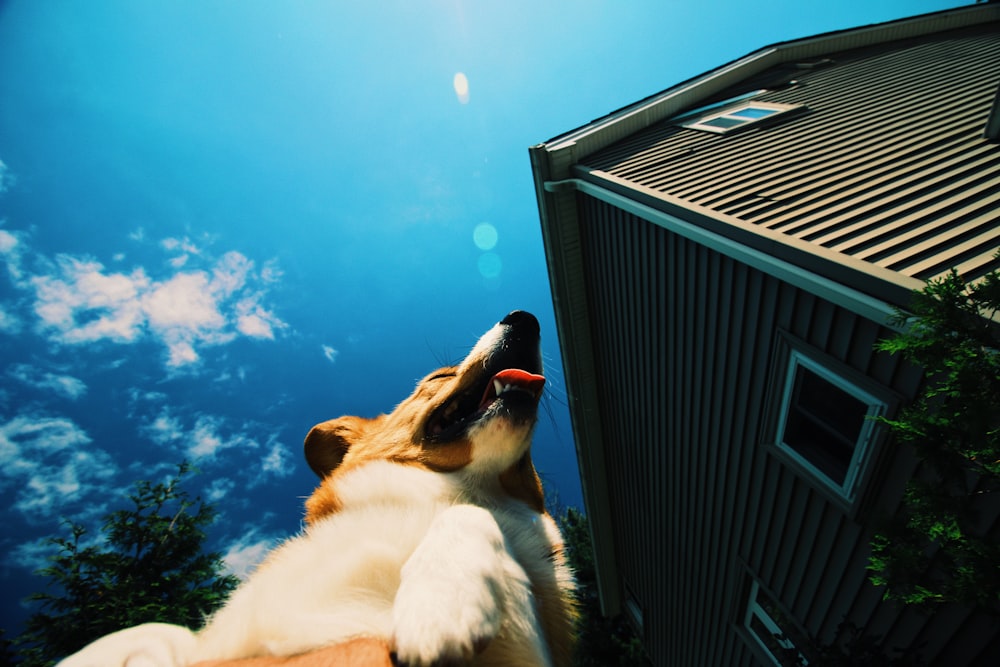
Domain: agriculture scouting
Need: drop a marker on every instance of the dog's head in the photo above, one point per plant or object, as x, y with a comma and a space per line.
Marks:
476, 417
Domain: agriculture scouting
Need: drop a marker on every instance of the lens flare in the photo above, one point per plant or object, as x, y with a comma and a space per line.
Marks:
461, 84
485, 236
490, 265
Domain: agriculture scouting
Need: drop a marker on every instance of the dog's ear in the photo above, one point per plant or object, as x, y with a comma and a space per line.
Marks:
327, 443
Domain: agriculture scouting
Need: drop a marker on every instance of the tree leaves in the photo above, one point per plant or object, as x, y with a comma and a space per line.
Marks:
147, 566
601, 641
940, 547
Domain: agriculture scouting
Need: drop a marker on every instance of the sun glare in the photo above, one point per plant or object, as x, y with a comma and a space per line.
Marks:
461, 84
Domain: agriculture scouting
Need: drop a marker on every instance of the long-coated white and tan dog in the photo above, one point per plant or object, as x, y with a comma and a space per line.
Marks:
428, 532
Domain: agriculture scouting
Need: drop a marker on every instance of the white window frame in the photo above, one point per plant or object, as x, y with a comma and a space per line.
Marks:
864, 444
731, 114
778, 634
633, 610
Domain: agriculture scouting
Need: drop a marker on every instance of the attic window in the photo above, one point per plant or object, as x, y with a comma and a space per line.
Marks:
746, 114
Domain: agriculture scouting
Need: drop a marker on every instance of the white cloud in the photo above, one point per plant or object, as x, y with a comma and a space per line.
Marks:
9, 323
33, 555
183, 303
270, 273
183, 311
330, 353
206, 441
81, 304
6, 178
11, 248
219, 489
230, 273
254, 321
49, 462
66, 385
8, 242
278, 461
184, 245
205, 438
77, 300
185, 249
40, 434
202, 441
165, 429
246, 553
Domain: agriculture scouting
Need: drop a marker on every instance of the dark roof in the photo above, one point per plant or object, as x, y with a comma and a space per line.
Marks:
888, 180
889, 166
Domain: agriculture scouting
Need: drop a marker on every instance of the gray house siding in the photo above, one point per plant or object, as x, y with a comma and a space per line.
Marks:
699, 276
685, 342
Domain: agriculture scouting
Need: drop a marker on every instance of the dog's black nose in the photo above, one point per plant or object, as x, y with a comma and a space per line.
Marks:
522, 319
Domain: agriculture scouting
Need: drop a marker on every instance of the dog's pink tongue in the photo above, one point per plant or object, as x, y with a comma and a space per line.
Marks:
512, 376
523, 379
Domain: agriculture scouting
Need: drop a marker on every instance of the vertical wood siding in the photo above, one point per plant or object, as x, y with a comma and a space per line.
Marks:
683, 339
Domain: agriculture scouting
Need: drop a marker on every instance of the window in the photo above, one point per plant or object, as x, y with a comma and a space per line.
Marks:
732, 118
826, 423
633, 611
771, 630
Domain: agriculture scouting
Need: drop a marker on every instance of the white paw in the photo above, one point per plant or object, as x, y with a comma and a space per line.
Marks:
148, 645
440, 628
450, 605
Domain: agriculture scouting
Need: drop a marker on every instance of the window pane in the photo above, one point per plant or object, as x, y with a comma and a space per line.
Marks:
766, 636
774, 631
823, 424
723, 122
832, 406
753, 113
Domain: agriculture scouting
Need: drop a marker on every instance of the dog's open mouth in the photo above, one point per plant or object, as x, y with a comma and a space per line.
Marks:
513, 387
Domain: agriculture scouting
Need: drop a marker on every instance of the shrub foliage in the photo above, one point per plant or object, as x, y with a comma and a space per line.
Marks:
940, 547
148, 566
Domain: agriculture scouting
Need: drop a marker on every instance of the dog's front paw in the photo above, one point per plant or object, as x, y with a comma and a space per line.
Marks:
148, 645
442, 627
450, 602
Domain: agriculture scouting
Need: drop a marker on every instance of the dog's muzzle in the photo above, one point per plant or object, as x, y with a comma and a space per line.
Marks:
507, 381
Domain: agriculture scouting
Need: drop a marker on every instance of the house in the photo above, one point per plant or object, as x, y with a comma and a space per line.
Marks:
723, 256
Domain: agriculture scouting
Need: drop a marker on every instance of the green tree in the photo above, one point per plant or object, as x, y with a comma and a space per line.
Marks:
603, 642
149, 567
7, 655
940, 546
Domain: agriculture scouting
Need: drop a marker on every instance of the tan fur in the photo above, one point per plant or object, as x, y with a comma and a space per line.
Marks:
335, 447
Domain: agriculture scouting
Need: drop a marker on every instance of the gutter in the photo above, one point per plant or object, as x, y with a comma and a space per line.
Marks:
560, 235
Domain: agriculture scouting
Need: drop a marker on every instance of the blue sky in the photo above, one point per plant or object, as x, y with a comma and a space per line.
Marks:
224, 222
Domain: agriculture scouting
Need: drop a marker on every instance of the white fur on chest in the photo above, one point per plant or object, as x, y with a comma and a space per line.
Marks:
409, 548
